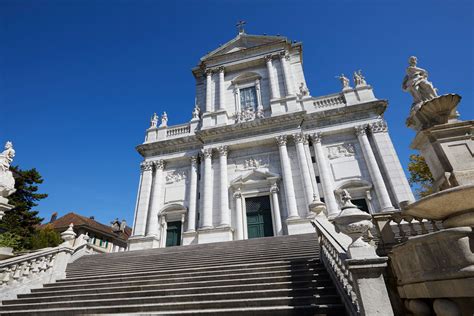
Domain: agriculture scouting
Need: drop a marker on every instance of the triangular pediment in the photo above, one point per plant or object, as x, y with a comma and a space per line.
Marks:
256, 175
242, 42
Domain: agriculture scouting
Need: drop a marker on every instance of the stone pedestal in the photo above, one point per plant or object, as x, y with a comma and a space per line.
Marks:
218, 234
190, 238
297, 226
4, 206
139, 243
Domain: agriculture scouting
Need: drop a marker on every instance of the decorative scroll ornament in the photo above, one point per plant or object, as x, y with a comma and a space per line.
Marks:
339, 151
159, 164
176, 176
360, 129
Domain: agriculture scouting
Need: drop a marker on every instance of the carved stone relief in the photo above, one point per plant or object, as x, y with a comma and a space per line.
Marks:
342, 150
176, 176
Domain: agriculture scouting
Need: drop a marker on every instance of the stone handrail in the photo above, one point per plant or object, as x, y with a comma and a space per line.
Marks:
178, 130
334, 255
393, 228
329, 101
21, 274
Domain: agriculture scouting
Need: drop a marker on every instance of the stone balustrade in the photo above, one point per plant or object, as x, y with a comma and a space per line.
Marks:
334, 255
329, 101
178, 130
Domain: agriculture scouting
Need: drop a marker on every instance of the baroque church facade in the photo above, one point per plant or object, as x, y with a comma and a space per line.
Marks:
260, 152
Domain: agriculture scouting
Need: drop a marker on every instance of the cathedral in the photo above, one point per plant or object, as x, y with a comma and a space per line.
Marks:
260, 154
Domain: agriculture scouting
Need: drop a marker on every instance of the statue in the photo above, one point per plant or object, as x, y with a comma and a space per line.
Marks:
260, 114
6, 157
416, 82
303, 90
164, 120
154, 120
196, 112
359, 79
344, 81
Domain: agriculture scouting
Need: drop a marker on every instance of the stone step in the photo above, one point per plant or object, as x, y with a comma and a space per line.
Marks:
164, 257
99, 268
125, 293
184, 298
175, 285
160, 275
187, 306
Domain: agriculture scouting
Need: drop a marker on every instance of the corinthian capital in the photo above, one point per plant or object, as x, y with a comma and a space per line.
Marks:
237, 194
360, 129
378, 127
159, 164
223, 150
194, 160
206, 153
274, 188
221, 69
146, 166
268, 58
208, 72
284, 55
300, 138
281, 140
316, 137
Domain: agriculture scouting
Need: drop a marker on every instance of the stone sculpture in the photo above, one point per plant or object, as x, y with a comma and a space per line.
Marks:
359, 79
303, 90
154, 120
164, 120
7, 182
416, 82
196, 112
344, 81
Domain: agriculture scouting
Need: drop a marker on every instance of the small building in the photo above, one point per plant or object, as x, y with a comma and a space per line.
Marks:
110, 238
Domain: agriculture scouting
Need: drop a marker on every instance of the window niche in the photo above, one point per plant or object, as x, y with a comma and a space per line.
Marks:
247, 97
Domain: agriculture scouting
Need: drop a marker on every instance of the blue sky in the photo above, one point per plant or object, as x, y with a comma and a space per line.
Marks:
80, 79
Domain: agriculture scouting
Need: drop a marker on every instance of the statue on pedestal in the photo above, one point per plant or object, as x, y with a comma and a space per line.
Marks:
416, 82
344, 81
154, 120
164, 120
7, 182
359, 79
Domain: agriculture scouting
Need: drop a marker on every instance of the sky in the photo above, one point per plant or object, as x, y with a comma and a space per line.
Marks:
79, 80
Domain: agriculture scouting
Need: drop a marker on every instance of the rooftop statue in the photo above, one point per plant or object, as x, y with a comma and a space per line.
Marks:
359, 79
344, 81
7, 182
154, 120
416, 82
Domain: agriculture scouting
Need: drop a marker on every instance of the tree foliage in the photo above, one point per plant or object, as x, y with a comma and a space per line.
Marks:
22, 220
10, 240
420, 176
45, 237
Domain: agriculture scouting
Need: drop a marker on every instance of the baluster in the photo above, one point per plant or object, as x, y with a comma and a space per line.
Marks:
34, 266
25, 269
7, 274
51, 259
398, 219
433, 224
42, 264
16, 272
409, 220
422, 225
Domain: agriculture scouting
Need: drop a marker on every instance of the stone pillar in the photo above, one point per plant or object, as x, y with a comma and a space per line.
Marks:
221, 89
239, 215
191, 227
207, 201
208, 90
144, 199
276, 210
287, 178
271, 78
391, 163
152, 226
284, 58
312, 175
374, 171
326, 177
300, 138
224, 196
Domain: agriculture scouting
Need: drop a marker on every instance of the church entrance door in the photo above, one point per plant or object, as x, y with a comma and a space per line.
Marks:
173, 234
259, 217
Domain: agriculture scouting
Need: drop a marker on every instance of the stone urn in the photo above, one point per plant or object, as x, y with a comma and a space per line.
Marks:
354, 223
68, 235
316, 207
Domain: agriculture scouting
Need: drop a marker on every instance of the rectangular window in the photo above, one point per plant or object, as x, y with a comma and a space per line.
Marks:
248, 98
318, 180
361, 204
313, 159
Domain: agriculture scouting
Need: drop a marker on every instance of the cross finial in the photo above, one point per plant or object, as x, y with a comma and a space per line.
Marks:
240, 26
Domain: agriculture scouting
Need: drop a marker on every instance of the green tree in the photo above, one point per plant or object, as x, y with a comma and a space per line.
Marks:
10, 240
45, 237
21, 220
420, 176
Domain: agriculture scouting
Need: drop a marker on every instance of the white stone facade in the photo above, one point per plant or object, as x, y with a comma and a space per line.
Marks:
284, 144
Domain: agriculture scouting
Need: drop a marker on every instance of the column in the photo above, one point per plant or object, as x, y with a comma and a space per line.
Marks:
192, 196
391, 163
239, 215
374, 171
152, 223
144, 198
207, 201
208, 90
303, 164
325, 175
284, 58
271, 79
276, 210
224, 196
287, 178
312, 175
221, 89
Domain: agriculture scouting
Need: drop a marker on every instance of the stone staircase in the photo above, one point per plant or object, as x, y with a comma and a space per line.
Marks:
265, 276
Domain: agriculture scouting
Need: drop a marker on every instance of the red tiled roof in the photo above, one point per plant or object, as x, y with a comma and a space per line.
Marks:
79, 220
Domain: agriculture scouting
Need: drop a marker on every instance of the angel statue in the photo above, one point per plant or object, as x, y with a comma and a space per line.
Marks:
6, 157
416, 82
